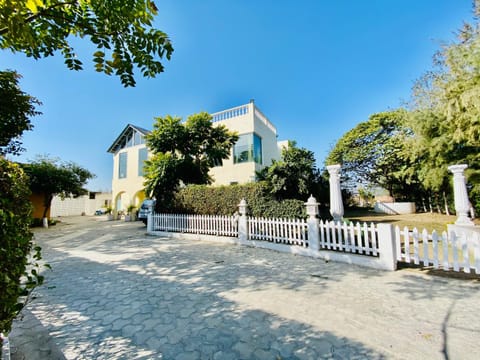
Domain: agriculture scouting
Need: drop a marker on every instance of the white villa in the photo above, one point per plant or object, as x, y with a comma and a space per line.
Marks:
256, 147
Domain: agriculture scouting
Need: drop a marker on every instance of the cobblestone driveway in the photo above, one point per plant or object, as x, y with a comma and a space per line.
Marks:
115, 293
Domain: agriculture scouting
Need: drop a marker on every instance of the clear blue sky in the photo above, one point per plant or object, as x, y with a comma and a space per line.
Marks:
316, 68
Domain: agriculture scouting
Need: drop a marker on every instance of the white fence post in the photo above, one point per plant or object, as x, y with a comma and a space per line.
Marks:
313, 224
386, 246
149, 222
242, 221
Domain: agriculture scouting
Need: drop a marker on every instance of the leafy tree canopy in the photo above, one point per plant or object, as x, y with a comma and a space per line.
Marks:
445, 114
122, 32
373, 151
295, 176
16, 108
184, 153
50, 177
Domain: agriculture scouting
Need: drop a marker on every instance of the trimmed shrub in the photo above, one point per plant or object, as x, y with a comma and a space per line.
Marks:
15, 242
224, 200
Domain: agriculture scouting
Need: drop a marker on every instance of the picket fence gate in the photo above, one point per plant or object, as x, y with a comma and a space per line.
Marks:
447, 251
281, 231
196, 224
349, 237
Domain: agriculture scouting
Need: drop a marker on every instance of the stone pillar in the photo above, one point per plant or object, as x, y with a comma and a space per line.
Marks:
387, 247
336, 204
313, 223
462, 205
242, 221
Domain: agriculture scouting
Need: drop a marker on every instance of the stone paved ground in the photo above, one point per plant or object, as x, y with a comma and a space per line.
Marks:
115, 293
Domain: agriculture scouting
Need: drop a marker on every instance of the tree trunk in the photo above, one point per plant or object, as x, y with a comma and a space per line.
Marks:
47, 202
424, 205
447, 211
437, 203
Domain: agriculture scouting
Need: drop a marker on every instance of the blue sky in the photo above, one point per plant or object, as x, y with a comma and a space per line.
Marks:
316, 68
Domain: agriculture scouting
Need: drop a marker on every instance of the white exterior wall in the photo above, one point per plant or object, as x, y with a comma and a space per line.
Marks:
251, 122
244, 119
78, 206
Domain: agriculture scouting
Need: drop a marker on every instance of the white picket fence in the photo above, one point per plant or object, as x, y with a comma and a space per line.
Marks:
280, 231
348, 237
446, 251
196, 224
374, 245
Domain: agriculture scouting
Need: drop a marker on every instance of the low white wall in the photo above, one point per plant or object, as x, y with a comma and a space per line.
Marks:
395, 208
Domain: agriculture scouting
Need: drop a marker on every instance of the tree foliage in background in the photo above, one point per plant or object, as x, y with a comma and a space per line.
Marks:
445, 113
52, 178
15, 242
122, 32
16, 109
408, 151
373, 153
295, 176
183, 153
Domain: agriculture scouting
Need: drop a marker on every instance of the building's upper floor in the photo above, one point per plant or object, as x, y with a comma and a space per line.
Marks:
256, 147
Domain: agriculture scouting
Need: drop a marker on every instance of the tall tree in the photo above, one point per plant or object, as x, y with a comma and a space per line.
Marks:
18, 271
295, 176
50, 178
372, 153
445, 115
16, 109
183, 153
122, 32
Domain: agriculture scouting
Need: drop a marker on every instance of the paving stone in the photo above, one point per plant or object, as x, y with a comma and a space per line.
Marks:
119, 324
142, 337
244, 349
193, 355
130, 330
167, 298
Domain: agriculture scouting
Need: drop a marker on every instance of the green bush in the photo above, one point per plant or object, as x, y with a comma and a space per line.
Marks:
224, 200
15, 242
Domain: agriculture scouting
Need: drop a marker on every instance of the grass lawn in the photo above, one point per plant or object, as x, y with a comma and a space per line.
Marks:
429, 221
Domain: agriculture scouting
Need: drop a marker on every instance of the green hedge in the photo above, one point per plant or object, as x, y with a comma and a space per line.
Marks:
224, 200
15, 239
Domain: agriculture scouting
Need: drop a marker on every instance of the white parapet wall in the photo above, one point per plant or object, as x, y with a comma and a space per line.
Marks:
394, 208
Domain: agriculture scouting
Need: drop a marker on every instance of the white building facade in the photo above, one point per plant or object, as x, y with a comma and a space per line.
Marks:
255, 149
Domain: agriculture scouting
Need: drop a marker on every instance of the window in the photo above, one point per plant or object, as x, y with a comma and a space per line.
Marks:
139, 139
257, 149
122, 165
142, 156
248, 148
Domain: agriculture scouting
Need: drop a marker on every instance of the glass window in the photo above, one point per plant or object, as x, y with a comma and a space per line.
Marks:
248, 148
142, 156
257, 149
122, 165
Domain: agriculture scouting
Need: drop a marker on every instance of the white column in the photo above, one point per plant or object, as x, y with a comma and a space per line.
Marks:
462, 204
336, 204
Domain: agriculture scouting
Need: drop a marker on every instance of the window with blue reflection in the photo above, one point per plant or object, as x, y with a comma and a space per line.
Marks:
122, 165
248, 148
142, 156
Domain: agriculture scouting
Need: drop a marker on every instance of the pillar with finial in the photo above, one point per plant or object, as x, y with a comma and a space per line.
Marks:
313, 224
242, 221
